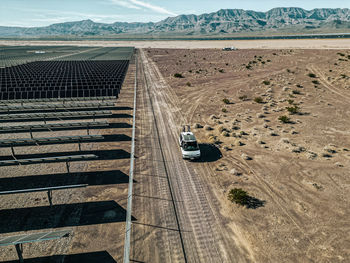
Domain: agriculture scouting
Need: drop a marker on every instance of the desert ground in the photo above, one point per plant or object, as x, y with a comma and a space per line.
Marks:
296, 172
199, 44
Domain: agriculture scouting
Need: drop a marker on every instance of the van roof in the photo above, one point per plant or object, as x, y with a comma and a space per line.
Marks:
188, 136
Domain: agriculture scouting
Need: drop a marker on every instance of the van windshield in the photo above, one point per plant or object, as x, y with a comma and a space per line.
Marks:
190, 146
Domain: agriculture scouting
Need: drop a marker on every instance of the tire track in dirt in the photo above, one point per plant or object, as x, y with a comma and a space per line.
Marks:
342, 93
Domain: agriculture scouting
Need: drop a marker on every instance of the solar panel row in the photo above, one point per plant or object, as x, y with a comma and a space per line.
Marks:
35, 127
34, 237
55, 115
70, 158
48, 140
49, 100
62, 79
56, 106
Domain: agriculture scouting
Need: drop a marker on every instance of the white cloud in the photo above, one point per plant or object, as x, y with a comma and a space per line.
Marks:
137, 4
125, 4
158, 9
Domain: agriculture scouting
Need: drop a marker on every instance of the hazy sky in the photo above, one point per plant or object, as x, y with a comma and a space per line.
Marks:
46, 12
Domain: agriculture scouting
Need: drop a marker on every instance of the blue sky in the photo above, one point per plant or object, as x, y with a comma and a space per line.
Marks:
45, 12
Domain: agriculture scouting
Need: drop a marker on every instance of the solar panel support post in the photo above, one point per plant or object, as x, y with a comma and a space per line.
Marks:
13, 152
19, 249
79, 144
31, 133
49, 196
67, 165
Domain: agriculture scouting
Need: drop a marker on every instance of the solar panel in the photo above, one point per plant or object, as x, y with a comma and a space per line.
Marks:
34, 237
48, 140
56, 106
70, 158
35, 127
22, 191
55, 115
102, 98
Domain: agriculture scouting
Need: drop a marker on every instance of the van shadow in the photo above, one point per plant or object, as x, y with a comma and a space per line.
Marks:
90, 257
61, 215
209, 153
52, 180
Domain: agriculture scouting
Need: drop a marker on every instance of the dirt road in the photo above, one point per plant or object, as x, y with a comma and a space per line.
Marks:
177, 217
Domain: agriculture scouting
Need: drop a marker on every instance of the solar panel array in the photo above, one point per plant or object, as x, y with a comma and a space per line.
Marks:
16, 55
62, 79
56, 83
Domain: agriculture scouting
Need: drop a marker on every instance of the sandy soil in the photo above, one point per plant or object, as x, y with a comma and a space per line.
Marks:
241, 44
96, 214
297, 172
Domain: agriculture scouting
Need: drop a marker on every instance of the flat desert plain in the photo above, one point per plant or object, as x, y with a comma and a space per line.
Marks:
198, 44
296, 171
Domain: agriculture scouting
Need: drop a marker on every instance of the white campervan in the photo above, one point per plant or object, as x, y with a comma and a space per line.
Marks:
189, 146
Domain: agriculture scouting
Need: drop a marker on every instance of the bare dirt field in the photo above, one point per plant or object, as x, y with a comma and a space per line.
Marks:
296, 172
198, 44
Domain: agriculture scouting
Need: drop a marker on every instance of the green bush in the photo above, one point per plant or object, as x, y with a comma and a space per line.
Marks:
311, 75
258, 100
266, 82
291, 102
226, 101
284, 119
224, 110
316, 82
238, 196
296, 91
188, 84
178, 75
221, 70
293, 110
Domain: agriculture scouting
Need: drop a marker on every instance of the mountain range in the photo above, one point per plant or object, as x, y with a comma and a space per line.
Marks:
222, 22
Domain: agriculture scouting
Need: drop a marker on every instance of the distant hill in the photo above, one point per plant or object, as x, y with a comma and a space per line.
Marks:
222, 22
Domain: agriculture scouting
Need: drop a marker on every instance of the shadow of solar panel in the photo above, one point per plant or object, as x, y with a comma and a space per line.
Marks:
76, 214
